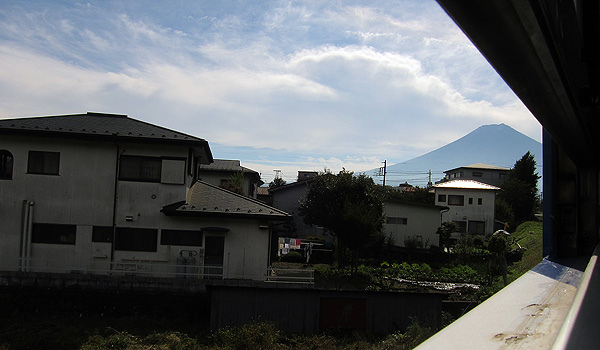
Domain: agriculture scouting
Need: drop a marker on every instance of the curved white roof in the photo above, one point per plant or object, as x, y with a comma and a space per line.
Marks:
466, 184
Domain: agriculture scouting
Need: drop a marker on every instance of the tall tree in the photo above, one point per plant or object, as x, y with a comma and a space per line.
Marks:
520, 189
234, 183
346, 205
277, 182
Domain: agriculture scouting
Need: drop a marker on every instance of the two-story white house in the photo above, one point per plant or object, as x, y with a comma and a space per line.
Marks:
103, 194
471, 205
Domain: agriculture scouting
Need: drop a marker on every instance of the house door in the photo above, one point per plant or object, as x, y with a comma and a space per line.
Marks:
214, 249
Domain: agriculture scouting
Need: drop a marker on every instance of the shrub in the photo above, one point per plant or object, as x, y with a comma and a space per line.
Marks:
293, 256
254, 335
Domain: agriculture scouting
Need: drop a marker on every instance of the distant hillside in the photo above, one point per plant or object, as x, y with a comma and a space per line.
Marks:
496, 144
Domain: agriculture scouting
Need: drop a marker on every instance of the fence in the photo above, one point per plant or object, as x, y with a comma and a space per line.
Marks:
125, 267
151, 268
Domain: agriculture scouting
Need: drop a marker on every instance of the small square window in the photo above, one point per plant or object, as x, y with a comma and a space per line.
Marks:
45, 163
479, 201
441, 198
470, 200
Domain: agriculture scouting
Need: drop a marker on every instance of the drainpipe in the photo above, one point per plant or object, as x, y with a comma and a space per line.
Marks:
441, 215
24, 223
28, 234
114, 214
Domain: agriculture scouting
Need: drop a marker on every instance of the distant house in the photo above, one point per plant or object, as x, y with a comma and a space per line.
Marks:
287, 198
412, 221
220, 171
488, 174
110, 195
471, 205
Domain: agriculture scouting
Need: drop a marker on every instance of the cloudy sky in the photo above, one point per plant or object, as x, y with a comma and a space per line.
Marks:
283, 85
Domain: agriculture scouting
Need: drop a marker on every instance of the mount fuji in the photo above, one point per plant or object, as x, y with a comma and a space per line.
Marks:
495, 144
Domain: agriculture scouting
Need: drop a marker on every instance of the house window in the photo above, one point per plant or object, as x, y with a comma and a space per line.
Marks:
477, 174
396, 221
477, 227
441, 198
456, 200
173, 171
103, 234
45, 163
53, 233
6, 165
138, 168
136, 239
479, 201
181, 237
470, 201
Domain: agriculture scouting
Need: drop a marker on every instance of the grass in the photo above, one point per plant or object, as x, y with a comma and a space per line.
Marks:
528, 236
263, 336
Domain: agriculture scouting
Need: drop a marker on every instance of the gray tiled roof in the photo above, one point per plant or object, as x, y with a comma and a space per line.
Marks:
95, 124
206, 199
229, 165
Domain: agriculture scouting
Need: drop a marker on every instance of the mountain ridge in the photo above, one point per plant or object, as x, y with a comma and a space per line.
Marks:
493, 144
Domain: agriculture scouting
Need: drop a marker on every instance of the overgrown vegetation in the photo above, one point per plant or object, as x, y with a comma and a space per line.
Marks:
489, 264
259, 335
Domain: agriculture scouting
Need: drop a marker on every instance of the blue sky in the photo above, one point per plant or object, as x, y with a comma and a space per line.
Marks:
284, 85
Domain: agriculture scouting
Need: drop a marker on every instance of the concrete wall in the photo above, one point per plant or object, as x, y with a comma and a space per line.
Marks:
421, 221
309, 311
83, 194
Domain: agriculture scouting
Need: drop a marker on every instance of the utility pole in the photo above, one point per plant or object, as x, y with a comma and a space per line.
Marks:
277, 172
429, 183
383, 171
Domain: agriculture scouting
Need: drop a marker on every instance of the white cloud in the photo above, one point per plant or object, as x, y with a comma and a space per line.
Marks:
326, 84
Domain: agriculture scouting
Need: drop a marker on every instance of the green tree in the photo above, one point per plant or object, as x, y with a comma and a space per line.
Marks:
520, 190
498, 247
234, 183
277, 182
445, 231
346, 205
419, 195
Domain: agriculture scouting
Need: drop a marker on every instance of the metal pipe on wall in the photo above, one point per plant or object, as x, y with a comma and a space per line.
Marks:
24, 223
28, 235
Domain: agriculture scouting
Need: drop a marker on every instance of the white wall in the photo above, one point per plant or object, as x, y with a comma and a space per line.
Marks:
421, 221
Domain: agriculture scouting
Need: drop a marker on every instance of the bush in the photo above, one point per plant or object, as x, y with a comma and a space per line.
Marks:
254, 335
293, 256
